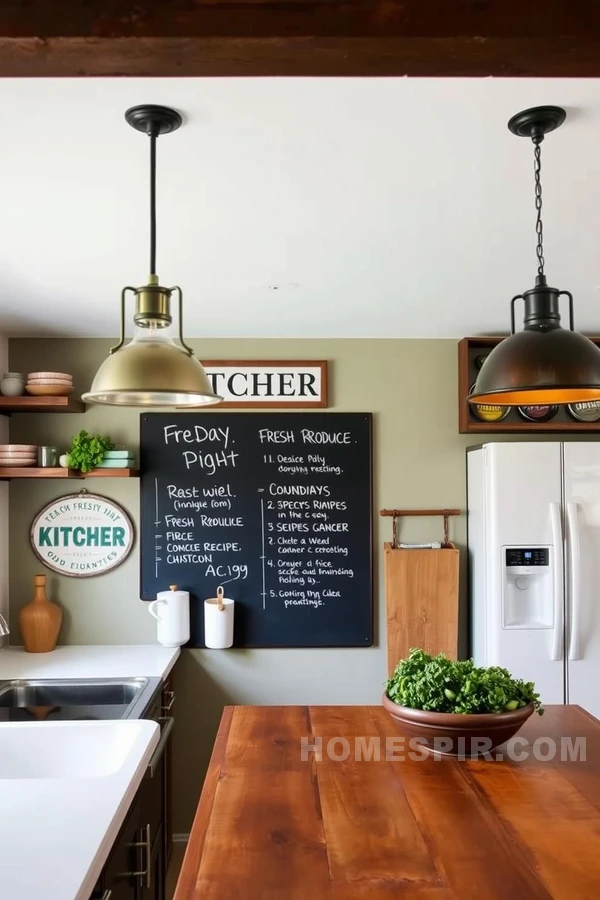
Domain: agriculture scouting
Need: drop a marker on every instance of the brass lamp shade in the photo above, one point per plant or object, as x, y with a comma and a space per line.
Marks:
540, 367
151, 373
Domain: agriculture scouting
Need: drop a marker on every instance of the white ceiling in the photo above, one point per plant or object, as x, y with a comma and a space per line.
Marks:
295, 207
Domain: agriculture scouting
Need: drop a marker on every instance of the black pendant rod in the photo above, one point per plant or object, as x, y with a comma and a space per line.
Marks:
153, 120
153, 137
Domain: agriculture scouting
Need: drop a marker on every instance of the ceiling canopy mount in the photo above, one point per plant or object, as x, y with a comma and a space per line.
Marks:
151, 119
537, 121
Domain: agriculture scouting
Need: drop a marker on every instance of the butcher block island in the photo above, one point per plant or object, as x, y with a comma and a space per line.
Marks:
278, 820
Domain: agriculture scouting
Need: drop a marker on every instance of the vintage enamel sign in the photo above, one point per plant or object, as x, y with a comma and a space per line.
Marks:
82, 535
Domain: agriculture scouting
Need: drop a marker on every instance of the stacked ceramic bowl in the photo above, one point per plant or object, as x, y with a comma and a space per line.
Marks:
49, 384
18, 455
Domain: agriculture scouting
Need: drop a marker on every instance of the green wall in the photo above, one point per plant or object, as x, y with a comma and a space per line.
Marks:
419, 461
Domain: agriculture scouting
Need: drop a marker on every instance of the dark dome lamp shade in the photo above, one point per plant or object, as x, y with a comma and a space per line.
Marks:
544, 364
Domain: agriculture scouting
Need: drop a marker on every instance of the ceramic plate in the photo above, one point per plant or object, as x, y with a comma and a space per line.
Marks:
61, 375
50, 381
17, 463
17, 448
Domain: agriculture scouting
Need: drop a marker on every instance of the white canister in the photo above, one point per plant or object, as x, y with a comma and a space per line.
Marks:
171, 609
218, 621
12, 384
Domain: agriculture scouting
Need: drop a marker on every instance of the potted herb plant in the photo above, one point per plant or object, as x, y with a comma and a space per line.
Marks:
87, 451
455, 707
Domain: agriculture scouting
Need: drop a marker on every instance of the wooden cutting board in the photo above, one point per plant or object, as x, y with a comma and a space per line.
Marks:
421, 597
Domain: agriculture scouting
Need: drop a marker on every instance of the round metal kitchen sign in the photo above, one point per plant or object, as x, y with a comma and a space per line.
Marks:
82, 535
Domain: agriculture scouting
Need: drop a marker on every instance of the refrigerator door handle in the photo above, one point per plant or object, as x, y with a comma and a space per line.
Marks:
557, 557
574, 580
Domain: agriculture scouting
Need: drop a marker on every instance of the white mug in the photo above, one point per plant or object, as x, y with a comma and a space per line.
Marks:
171, 609
218, 621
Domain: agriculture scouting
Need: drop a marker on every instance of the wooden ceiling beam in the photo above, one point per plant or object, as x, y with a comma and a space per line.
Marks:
300, 37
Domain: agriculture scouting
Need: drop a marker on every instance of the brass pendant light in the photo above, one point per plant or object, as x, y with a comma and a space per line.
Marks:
544, 364
152, 370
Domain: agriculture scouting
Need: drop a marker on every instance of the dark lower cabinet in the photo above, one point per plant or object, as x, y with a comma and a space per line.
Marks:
151, 797
168, 701
119, 879
136, 867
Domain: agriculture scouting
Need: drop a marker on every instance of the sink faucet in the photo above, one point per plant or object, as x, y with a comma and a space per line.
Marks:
4, 629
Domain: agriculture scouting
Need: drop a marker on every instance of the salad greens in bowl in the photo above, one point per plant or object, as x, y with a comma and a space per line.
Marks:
455, 707
457, 686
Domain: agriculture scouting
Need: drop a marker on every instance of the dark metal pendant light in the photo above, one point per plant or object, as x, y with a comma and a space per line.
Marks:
543, 364
152, 370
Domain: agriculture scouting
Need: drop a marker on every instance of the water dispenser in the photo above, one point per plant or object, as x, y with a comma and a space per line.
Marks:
527, 588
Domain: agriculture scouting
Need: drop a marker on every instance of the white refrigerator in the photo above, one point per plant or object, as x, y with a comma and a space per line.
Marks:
534, 565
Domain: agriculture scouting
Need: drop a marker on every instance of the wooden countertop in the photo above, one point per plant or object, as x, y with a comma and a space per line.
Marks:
271, 826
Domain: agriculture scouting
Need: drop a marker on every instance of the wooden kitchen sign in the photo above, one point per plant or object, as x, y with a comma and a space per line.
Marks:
297, 384
81, 535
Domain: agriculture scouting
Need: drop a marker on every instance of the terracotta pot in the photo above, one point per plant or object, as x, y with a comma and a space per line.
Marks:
458, 734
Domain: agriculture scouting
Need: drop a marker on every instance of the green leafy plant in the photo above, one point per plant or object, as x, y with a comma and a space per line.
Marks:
87, 451
440, 684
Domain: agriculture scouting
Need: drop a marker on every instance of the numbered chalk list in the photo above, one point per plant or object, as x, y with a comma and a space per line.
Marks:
276, 507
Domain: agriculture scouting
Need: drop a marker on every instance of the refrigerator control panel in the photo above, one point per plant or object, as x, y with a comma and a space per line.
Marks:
536, 556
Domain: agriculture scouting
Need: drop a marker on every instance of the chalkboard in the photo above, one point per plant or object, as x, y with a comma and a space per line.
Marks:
276, 507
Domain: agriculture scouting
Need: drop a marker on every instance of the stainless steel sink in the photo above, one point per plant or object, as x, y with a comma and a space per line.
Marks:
107, 698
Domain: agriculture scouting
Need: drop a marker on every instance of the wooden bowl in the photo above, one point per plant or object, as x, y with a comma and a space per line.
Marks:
458, 734
49, 390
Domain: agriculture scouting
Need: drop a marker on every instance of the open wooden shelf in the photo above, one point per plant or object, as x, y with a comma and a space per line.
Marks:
28, 404
468, 349
33, 472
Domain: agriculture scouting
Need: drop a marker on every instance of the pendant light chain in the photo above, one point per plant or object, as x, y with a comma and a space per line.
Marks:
539, 228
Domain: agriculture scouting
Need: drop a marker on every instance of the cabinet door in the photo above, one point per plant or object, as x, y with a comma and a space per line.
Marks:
151, 796
168, 801
119, 881
152, 887
168, 700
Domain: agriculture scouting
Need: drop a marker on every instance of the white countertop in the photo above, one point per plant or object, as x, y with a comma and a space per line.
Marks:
56, 832
89, 661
